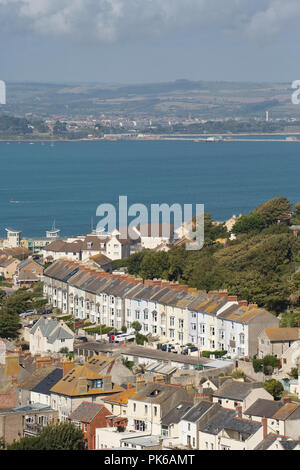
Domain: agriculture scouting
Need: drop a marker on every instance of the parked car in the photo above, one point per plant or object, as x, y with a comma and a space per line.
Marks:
189, 349
27, 313
168, 348
83, 339
46, 312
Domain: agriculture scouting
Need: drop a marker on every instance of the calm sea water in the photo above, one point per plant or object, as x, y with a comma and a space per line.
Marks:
67, 181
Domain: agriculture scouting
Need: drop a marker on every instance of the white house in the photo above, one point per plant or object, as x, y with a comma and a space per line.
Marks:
49, 335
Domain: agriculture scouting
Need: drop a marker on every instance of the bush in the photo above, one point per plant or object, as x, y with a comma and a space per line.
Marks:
217, 354
274, 387
238, 374
62, 436
265, 365
141, 339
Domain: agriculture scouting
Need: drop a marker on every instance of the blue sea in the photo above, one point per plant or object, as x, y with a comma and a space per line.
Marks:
67, 181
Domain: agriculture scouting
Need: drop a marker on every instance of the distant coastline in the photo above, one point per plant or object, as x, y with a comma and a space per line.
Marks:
170, 137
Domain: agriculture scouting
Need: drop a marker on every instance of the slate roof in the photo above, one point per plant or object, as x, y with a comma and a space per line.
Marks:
51, 329
286, 443
86, 412
48, 382
236, 390
266, 442
148, 393
226, 419
264, 408
289, 444
101, 260
60, 246
37, 377
197, 411
175, 415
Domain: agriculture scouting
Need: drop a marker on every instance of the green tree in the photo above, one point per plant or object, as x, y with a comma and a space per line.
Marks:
274, 387
293, 374
9, 325
141, 339
136, 326
277, 209
249, 223
62, 436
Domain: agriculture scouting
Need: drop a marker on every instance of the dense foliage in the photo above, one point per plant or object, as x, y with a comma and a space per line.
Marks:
274, 387
63, 436
260, 265
12, 306
265, 365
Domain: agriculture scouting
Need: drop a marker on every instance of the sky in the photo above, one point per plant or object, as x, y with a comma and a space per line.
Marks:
140, 41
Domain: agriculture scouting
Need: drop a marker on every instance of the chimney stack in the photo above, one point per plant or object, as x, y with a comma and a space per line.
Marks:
140, 383
265, 426
239, 411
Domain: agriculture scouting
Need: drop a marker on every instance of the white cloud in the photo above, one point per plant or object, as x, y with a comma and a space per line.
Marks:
107, 21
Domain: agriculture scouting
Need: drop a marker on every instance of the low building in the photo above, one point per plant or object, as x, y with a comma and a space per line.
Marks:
192, 420
28, 272
283, 417
36, 387
101, 262
25, 421
49, 335
88, 417
112, 438
117, 404
170, 427
233, 394
152, 402
142, 443
8, 266
227, 431
89, 382
276, 341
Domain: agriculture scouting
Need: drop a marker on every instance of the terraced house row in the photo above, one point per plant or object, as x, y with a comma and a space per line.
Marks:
168, 311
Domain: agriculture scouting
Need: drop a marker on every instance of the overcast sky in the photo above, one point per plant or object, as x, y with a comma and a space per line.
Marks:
132, 41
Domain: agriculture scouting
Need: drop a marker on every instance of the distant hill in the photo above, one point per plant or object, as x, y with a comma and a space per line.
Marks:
178, 99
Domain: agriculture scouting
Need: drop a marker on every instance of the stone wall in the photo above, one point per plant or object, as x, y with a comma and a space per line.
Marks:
247, 368
183, 377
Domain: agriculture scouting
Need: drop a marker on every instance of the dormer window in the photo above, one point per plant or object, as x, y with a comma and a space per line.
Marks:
90, 245
154, 393
97, 383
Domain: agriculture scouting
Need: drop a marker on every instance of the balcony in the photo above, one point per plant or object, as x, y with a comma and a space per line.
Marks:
32, 429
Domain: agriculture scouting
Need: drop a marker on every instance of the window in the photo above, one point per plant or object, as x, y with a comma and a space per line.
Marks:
172, 321
155, 411
134, 407
139, 425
